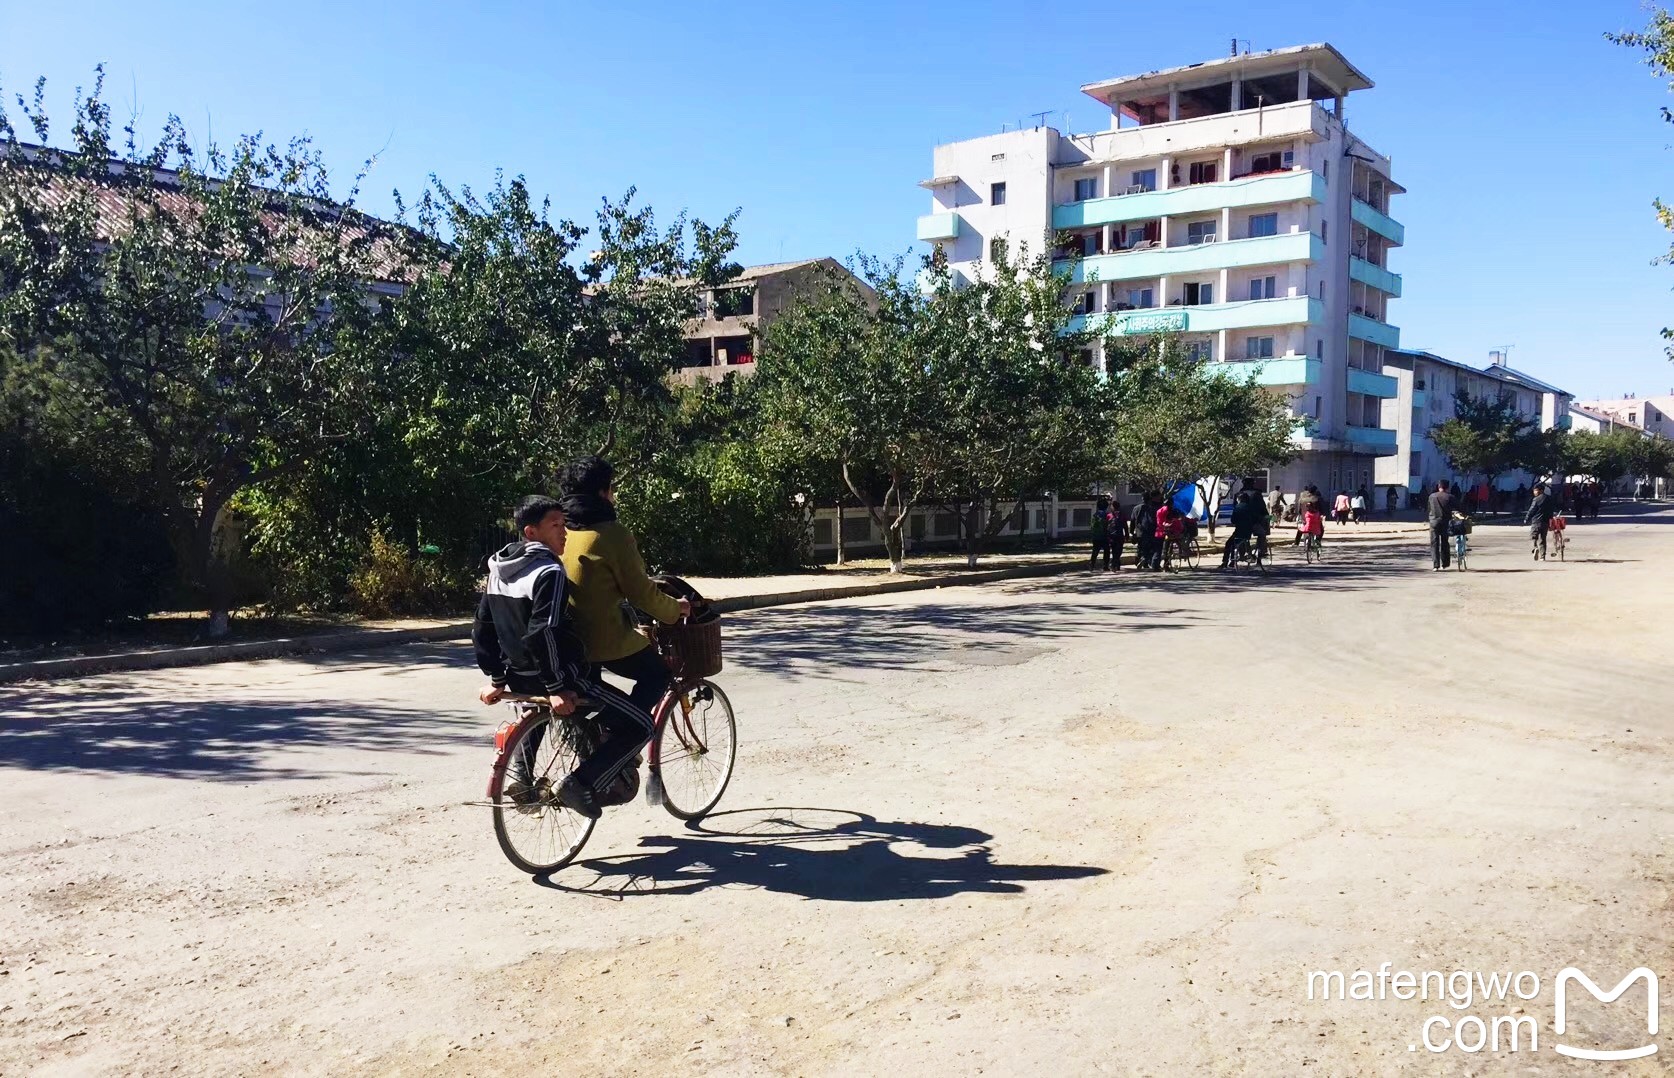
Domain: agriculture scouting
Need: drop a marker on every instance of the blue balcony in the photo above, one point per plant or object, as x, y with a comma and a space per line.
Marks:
1375, 276
1198, 198
1376, 440
1278, 371
1420, 398
1381, 223
938, 226
1370, 329
1244, 314
1372, 385
1196, 258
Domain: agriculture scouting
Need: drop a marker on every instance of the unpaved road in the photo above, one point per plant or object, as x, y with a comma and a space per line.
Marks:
1067, 826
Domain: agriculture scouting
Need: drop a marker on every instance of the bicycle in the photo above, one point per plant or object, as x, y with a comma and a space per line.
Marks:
686, 775
1248, 553
1560, 542
1461, 547
1313, 548
1178, 551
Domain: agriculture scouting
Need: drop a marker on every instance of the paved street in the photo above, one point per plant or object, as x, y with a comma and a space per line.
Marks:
1067, 825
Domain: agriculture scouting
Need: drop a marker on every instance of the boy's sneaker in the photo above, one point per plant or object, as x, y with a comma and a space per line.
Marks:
578, 798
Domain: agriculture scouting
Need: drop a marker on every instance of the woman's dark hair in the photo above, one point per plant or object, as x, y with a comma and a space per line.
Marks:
590, 475
533, 509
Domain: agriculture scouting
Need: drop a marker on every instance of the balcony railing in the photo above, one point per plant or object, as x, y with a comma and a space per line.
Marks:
1205, 318
1142, 205
1374, 276
938, 226
1364, 328
1156, 261
1379, 222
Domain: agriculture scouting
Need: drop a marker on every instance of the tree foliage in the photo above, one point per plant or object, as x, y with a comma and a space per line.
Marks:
199, 302
1179, 420
1656, 44
1487, 436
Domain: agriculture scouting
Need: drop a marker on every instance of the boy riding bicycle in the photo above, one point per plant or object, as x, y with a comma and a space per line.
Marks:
524, 643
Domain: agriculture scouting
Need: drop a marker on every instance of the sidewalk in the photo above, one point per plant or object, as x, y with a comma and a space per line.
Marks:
730, 594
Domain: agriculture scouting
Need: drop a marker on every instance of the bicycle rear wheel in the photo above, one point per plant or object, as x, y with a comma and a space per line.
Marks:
1310, 551
694, 750
536, 833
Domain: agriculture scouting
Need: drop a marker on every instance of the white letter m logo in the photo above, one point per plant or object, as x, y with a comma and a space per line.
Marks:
1570, 973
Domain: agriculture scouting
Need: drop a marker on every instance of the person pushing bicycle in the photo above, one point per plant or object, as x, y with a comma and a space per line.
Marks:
526, 645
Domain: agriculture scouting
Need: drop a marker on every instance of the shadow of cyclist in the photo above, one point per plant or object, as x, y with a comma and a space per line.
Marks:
848, 857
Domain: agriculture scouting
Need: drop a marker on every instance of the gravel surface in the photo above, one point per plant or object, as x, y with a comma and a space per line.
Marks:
1068, 825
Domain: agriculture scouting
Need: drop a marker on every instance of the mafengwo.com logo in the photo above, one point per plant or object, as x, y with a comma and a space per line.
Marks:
1497, 1011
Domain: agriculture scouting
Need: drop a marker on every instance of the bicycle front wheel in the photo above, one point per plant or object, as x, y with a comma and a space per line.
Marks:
1190, 553
694, 750
536, 833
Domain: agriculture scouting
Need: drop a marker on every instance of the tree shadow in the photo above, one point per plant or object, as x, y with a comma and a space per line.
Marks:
227, 738
832, 640
830, 855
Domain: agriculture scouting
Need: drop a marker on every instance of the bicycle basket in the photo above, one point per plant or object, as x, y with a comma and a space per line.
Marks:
691, 649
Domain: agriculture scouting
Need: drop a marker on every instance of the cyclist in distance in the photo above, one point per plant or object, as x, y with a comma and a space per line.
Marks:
525, 645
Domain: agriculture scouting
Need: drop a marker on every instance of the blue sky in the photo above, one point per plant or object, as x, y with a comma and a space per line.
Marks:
1530, 146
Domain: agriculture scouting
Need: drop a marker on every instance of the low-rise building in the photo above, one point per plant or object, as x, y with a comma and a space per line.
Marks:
1654, 415
1427, 385
722, 340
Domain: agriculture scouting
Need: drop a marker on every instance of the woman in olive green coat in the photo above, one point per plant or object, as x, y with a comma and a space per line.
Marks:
606, 577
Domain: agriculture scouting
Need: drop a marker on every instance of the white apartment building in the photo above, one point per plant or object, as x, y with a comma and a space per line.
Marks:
1229, 203
1426, 384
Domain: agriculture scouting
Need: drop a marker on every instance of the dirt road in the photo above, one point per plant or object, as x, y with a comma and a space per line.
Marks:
1071, 826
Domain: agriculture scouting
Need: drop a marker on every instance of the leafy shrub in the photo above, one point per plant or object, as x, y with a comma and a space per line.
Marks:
391, 582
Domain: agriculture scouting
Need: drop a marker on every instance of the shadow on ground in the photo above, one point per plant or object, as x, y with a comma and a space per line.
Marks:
229, 738
830, 855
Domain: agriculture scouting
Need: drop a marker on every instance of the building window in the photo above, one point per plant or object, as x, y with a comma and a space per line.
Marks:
1327, 170
1196, 294
1200, 232
1203, 172
1086, 188
1270, 162
733, 302
1325, 231
1319, 347
1317, 402
1091, 243
1322, 290
1200, 351
1145, 179
1086, 303
997, 194
1141, 298
1264, 224
1264, 287
1258, 348
997, 249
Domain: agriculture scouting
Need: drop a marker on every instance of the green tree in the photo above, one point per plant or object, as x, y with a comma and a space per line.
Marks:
843, 386
1180, 420
201, 304
1487, 436
1015, 409
1656, 43
521, 343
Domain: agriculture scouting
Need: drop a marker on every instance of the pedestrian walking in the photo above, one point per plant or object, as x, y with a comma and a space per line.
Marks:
1390, 500
1440, 508
1357, 506
1102, 518
1143, 521
1539, 519
1340, 508
1118, 535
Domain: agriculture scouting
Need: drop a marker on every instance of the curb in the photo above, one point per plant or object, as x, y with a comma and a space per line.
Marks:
356, 639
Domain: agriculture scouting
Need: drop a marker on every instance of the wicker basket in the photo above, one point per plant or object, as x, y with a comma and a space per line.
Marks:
691, 649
